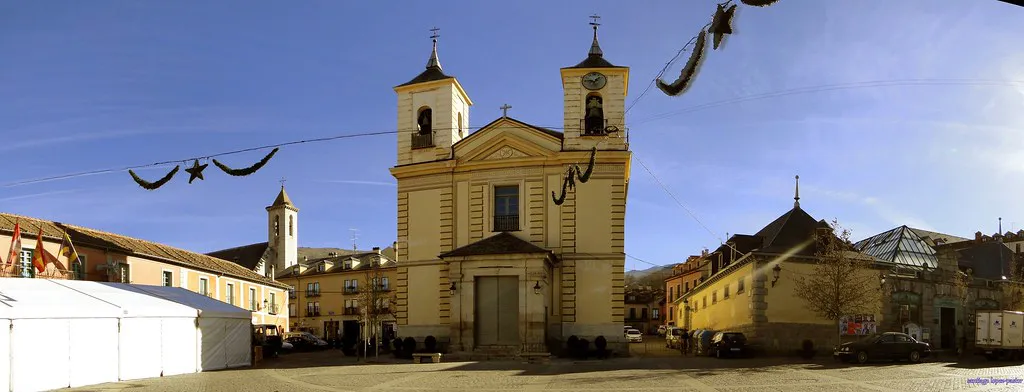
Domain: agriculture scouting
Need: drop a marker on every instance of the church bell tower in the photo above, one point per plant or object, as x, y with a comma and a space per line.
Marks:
594, 101
433, 113
282, 232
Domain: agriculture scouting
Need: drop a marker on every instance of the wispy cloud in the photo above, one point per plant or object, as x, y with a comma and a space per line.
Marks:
887, 212
378, 183
39, 195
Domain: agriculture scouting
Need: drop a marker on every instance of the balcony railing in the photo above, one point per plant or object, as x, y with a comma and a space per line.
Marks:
422, 140
506, 223
312, 294
383, 287
315, 313
351, 311
351, 290
272, 309
291, 295
598, 129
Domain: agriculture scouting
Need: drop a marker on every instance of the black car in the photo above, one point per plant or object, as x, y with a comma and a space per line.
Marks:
889, 346
728, 344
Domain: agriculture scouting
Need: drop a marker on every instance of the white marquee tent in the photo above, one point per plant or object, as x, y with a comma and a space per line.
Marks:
225, 331
76, 333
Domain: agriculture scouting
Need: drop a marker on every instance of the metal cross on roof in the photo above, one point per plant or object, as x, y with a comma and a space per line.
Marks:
595, 17
282, 180
504, 109
434, 36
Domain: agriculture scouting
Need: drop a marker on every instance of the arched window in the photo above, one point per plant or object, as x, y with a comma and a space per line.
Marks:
594, 118
424, 121
291, 226
277, 226
461, 131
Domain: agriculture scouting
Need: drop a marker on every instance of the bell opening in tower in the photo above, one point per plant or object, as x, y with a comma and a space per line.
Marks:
594, 123
424, 136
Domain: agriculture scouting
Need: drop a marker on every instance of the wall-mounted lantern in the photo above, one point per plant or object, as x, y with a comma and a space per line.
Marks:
775, 274
266, 304
536, 287
881, 280
451, 290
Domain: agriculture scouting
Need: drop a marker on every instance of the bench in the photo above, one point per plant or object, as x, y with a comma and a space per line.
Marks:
536, 357
434, 358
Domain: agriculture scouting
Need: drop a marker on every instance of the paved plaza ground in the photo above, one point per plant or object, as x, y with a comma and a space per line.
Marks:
329, 371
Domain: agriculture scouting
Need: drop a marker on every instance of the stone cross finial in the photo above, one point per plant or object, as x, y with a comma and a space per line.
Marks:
504, 109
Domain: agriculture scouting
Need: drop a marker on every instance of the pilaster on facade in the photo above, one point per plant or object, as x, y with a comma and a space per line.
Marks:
568, 268
618, 224
402, 296
618, 291
444, 298
447, 224
537, 205
476, 212
568, 223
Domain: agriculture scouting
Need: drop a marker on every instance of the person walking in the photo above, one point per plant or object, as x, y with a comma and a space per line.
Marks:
684, 342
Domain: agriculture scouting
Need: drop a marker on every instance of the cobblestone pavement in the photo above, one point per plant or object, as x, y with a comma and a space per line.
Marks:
326, 371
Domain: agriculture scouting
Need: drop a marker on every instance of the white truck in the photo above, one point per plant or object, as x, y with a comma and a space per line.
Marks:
1000, 333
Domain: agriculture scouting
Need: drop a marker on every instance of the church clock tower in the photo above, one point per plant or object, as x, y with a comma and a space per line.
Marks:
433, 113
594, 102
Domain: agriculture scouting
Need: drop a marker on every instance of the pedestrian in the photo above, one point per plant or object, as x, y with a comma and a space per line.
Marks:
684, 342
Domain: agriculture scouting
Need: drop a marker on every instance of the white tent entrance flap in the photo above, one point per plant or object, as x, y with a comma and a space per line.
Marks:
225, 331
76, 333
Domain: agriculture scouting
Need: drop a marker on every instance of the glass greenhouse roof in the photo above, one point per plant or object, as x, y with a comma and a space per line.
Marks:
901, 246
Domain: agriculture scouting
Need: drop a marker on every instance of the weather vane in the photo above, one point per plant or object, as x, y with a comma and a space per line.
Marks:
434, 36
595, 17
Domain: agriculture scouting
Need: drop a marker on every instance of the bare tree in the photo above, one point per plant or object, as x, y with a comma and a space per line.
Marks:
842, 282
1012, 285
375, 304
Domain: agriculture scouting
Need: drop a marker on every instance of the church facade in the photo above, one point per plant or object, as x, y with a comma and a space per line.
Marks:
496, 254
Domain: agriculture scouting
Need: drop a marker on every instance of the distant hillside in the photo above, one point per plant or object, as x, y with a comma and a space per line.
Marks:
654, 276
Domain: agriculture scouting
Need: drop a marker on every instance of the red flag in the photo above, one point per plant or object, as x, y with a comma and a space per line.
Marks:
15, 253
39, 256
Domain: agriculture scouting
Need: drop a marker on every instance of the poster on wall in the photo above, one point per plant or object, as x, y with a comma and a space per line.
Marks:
857, 325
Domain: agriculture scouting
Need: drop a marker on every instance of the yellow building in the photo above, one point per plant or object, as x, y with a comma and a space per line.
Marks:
331, 296
751, 286
488, 261
643, 308
109, 257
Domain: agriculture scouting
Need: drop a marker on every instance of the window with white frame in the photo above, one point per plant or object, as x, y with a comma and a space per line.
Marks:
252, 299
654, 314
229, 296
25, 263
204, 286
506, 208
168, 278
273, 304
78, 269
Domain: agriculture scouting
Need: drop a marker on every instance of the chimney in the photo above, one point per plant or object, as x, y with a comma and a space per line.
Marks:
376, 249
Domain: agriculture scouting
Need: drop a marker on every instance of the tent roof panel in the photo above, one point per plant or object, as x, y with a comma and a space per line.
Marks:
133, 302
22, 298
208, 307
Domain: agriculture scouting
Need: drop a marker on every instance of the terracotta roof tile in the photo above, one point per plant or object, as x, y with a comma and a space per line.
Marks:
133, 246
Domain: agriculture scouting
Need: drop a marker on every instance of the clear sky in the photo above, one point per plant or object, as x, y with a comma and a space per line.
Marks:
106, 84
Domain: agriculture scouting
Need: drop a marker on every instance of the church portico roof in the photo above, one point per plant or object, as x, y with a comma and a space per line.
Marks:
503, 243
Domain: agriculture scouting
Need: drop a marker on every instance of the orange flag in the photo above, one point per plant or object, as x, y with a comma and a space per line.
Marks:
15, 253
39, 255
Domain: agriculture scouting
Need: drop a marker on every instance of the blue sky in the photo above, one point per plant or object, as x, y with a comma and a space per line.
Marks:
96, 85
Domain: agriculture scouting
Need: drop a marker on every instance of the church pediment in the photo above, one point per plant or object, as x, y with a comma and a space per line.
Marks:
507, 139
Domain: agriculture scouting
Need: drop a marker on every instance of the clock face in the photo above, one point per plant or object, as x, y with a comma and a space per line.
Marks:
594, 81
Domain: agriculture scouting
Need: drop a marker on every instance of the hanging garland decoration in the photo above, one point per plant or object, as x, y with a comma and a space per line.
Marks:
246, 171
196, 171
720, 26
158, 183
573, 173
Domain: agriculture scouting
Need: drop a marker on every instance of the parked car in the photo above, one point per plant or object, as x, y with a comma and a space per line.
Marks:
673, 337
728, 344
304, 341
627, 328
662, 330
888, 345
634, 335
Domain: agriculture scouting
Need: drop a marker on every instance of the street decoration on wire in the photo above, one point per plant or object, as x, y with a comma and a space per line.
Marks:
575, 173
196, 171
719, 28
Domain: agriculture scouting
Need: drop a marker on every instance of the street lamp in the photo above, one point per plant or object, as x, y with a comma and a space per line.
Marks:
775, 274
536, 287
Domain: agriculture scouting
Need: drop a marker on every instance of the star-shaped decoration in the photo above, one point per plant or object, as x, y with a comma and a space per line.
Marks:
721, 24
196, 171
